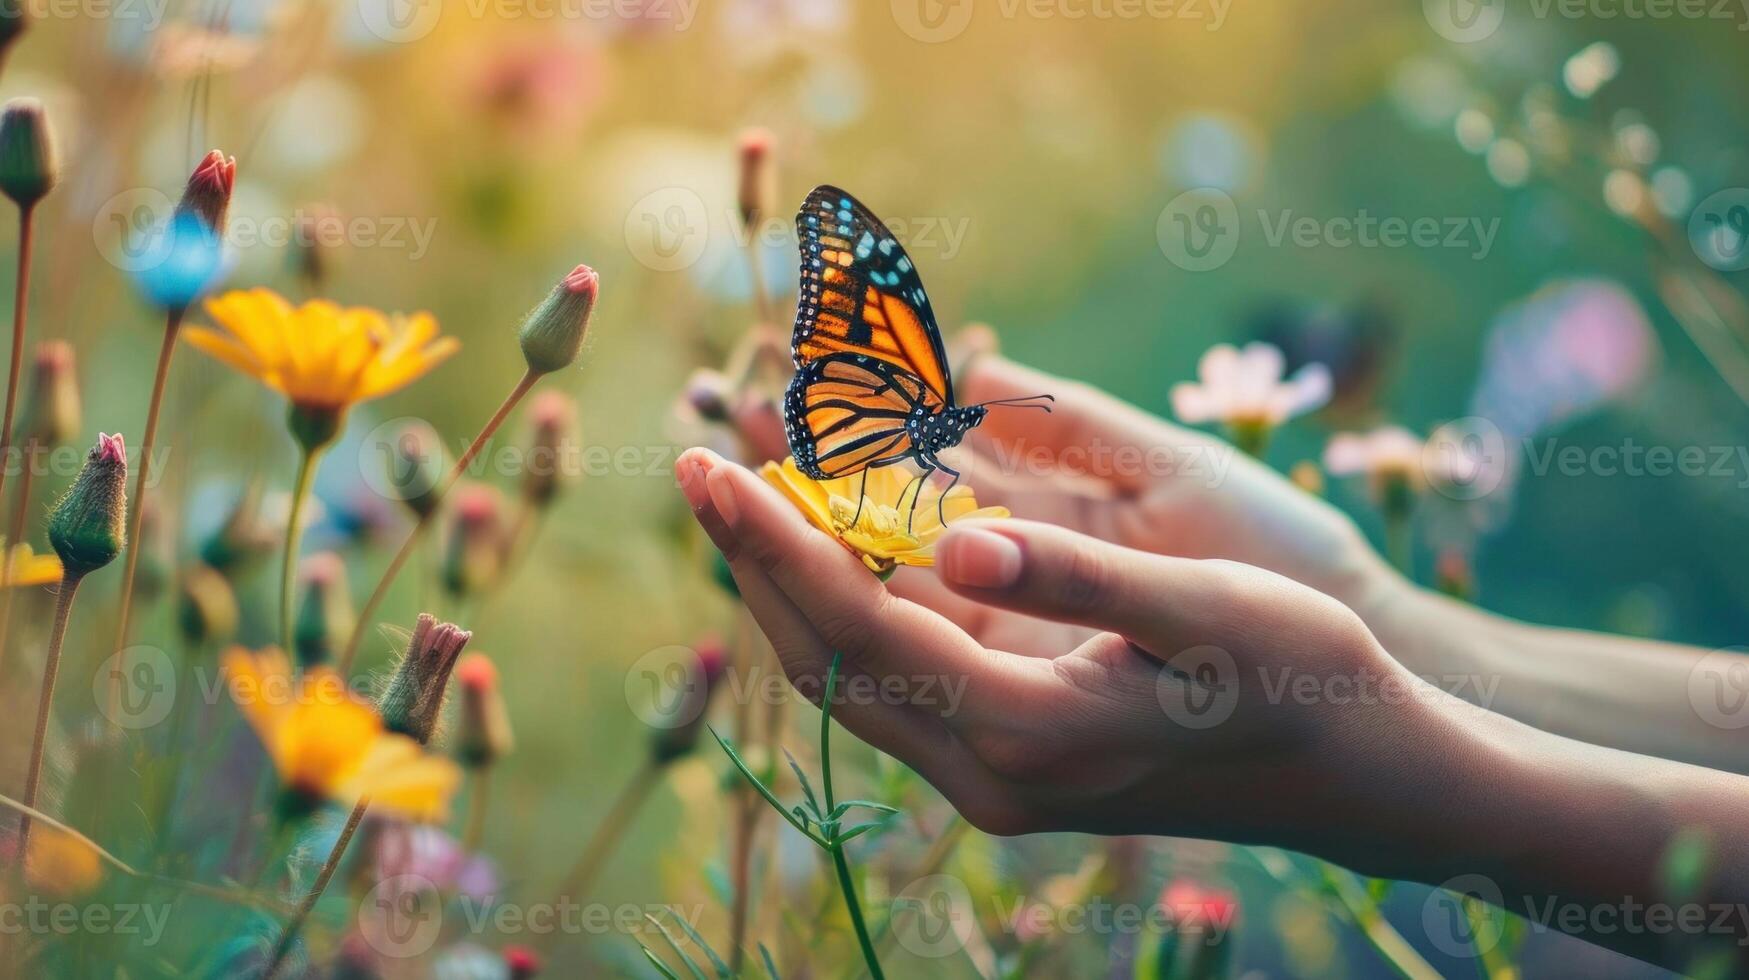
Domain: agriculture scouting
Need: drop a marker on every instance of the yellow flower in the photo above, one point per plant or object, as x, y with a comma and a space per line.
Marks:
28, 568
327, 743
321, 356
886, 533
62, 864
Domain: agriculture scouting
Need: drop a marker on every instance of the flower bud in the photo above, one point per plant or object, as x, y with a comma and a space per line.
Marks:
317, 232
242, 537
207, 608
325, 619
416, 465
208, 193
50, 414
553, 419
689, 708
708, 395
88, 526
1454, 575
477, 541
524, 963
1308, 477
414, 698
13, 21
27, 152
756, 190
485, 735
552, 335
153, 573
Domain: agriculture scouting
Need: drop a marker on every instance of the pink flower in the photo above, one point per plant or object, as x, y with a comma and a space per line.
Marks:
1392, 451
1192, 906
1245, 388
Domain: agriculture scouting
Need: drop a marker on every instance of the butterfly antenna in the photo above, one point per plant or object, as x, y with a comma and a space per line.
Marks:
1030, 401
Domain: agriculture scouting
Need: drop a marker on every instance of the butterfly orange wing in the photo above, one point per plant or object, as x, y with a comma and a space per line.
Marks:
847, 412
861, 294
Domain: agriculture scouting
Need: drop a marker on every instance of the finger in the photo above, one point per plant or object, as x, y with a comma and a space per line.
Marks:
1086, 431
1056, 574
847, 607
804, 656
997, 629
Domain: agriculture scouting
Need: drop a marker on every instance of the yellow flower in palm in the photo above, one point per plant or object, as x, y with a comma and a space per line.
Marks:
900, 517
327, 743
26, 568
323, 357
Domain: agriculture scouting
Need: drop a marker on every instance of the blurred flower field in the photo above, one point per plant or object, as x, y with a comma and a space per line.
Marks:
352, 624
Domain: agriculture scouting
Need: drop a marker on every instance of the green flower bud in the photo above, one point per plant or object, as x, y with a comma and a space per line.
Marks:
50, 416
27, 152
553, 418
478, 541
686, 722
552, 335
208, 193
484, 736
208, 608
414, 698
326, 618
88, 526
242, 537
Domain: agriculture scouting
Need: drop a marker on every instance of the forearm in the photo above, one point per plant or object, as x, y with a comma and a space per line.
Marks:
1635, 695
1572, 836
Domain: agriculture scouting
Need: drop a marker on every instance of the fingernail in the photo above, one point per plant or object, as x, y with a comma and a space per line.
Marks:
723, 495
693, 471
980, 559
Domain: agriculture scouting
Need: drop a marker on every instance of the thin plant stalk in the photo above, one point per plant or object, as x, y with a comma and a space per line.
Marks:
294, 534
613, 827
296, 924
408, 546
747, 812
51, 668
839, 863
20, 299
477, 804
14, 536
166, 350
1379, 934
230, 895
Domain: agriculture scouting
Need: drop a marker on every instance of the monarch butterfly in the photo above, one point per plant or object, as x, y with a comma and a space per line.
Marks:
872, 386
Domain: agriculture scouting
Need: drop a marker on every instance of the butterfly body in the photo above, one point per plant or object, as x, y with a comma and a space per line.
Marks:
872, 386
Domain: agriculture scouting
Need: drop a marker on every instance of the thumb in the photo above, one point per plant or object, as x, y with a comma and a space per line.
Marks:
1052, 573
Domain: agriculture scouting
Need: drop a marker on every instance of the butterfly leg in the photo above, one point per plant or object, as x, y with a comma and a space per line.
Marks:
917, 481
861, 498
941, 501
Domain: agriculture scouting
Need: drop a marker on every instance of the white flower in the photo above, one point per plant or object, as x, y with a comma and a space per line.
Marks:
1245, 388
1390, 451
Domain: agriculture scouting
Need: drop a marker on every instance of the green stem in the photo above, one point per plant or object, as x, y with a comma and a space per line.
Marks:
862, 937
142, 476
476, 825
20, 300
296, 924
9, 545
456, 472
293, 537
45, 700
839, 863
1378, 933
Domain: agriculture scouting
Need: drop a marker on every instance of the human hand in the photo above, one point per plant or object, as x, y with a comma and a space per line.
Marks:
1110, 736
1110, 470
